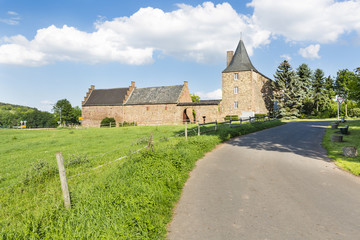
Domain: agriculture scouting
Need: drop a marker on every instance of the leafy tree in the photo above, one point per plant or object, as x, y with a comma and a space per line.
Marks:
195, 98
68, 114
354, 91
318, 89
288, 91
343, 83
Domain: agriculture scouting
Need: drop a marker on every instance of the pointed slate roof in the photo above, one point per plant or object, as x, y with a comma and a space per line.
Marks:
106, 97
240, 61
155, 95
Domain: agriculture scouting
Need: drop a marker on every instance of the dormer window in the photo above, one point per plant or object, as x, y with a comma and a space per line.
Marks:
236, 90
236, 76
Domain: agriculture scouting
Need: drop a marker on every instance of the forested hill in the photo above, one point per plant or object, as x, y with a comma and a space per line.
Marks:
11, 115
14, 108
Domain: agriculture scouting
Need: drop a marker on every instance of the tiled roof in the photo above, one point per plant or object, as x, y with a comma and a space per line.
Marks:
155, 95
106, 97
240, 61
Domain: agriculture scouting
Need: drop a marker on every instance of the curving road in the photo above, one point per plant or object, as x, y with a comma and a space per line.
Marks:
273, 184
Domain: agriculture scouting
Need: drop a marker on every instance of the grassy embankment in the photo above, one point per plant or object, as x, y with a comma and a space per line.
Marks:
129, 199
335, 148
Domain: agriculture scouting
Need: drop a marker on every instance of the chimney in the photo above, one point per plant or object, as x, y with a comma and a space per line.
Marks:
229, 57
186, 83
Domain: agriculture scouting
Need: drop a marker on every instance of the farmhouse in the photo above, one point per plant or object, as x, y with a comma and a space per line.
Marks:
245, 91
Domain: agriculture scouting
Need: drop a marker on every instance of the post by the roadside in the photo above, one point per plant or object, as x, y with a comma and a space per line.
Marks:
150, 143
185, 131
215, 125
64, 185
198, 128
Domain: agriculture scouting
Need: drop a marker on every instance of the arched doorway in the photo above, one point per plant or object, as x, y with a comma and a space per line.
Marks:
185, 116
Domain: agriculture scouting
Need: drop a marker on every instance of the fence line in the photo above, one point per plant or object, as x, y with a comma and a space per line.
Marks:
241, 120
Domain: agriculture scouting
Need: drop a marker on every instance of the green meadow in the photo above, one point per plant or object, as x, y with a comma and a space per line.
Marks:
125, 198
335, 148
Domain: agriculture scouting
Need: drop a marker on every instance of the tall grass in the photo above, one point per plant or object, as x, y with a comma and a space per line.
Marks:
129, 199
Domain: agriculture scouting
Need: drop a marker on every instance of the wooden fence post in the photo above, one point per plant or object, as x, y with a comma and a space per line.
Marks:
150, 143
230, 123
215, 125
64, 185
198, 129
185, 131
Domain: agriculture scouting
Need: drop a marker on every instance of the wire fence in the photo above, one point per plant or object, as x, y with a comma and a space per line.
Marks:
192, 131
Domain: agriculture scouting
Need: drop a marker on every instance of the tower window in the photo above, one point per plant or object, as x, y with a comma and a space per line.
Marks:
236, 105
236, 76
236, 90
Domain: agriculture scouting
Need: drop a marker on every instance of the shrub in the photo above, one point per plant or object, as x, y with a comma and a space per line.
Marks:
127, 124
231, 117
355, 112
107, 121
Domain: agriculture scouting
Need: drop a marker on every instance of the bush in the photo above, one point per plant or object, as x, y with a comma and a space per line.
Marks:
355, 112
260, 115
127, 124
107, 121
231, 117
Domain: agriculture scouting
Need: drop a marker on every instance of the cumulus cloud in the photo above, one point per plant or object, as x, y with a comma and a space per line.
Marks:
216, 94
198, 33
310, 52
307, 20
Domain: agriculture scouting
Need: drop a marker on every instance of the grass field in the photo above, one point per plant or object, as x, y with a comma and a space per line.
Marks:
131, 198
335, 148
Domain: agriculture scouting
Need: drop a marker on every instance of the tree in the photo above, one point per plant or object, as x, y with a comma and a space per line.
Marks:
342, 84
354, 92
305, 73
288, 92
195, 98
63, 111
318, 89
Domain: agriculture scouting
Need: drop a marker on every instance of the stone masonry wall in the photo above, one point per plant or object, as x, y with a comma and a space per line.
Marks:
250, 93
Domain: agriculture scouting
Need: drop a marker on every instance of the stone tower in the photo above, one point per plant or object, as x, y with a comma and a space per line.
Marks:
244, 90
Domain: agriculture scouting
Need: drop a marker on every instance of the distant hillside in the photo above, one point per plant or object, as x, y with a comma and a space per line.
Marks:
14, 108
11, 115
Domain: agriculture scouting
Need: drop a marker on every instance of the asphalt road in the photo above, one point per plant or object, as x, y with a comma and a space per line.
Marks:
273, 184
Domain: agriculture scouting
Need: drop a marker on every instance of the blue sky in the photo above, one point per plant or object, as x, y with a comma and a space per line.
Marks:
50, 50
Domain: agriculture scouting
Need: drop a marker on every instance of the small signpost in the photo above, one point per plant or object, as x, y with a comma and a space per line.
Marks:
340, 100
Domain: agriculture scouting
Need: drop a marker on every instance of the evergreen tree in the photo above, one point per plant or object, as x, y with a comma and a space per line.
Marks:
288, 91
318, 89
305, 73
354, 93
329, 92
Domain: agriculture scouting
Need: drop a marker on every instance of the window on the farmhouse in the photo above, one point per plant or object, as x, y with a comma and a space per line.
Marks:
236, 105
236, 90
147, 108
236, 76
165, 107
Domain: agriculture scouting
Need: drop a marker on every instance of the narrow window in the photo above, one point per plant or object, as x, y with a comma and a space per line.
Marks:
235, 105
147, 108
165, 107
236, 90
236, 76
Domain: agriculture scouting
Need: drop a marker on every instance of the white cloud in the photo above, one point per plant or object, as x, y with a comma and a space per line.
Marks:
286, 56
311, 52
13, 19
307, 20
217, 94
202, 33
